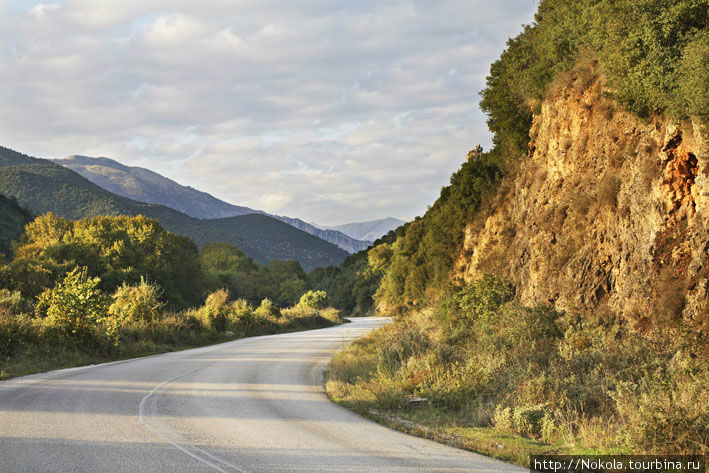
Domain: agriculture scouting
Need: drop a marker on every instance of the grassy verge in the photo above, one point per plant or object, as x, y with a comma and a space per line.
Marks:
434, 423
36, 351
481, 372
447, 428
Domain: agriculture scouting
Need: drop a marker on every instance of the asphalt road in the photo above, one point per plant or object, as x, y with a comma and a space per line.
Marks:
252, 405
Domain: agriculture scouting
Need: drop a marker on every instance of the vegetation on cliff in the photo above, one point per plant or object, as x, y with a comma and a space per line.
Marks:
654, 54
572, 381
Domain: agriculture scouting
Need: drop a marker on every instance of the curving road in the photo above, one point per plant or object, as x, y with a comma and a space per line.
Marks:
251, 405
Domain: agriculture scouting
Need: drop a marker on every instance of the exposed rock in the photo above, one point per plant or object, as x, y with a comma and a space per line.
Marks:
607, 212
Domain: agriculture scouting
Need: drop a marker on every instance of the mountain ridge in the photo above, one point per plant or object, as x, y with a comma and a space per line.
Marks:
369, 230
145, 185
70, 195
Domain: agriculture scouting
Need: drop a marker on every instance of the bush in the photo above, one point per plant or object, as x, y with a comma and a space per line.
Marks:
314, 299
666, 411
267, 309
75, 306
483, 298
528, 421
137, 303
17, 331
215, 312
12, 302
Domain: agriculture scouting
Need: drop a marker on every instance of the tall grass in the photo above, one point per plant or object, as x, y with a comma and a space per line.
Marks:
483, 360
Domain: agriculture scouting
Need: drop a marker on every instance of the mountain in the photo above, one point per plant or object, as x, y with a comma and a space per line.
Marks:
44, 186
150, 187
371, 230
337, 237
13, 219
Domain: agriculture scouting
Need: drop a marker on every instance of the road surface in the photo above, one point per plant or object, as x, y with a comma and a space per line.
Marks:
248, 406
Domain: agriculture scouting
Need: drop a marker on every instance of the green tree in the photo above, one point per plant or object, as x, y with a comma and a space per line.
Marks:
694, 79
118, 250
75, 305
138, 303
314, 299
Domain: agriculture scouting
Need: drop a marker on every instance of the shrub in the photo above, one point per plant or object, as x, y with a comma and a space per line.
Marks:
694, 80
666, 412
526, 421
314, 299
137, 303
482, 298
267, 309
242, 319
75, 306
215, 311
16, 331
12, 302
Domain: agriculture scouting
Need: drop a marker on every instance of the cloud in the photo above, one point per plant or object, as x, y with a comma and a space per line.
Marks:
328, 111
41, 10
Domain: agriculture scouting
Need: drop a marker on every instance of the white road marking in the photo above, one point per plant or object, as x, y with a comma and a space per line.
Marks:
184, 449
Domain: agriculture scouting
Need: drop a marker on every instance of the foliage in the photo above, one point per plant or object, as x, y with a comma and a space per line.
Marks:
228, 267
13, 219
352, 285
75, 306
215, 312
136, 303
12, 302
531, 371
267, 309
693, 79
314, 299
653, 52
422, 256
116, 249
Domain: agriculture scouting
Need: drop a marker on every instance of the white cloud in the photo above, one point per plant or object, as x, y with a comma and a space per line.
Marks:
173, 31
41, 10
328, 111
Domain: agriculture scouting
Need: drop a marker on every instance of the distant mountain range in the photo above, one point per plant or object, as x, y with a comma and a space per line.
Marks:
150, 187
371, 230
44, 186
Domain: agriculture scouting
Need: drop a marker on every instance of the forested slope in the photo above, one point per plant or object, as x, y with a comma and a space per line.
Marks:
43, 186
558, 290
13, 219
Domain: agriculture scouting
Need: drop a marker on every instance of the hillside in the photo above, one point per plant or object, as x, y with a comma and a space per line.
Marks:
337, 237
555, 297
147, 186
144, 185
13, 219
606, 213
70, 195
370, 230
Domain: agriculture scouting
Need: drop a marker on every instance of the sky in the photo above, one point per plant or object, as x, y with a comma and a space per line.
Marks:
330, 111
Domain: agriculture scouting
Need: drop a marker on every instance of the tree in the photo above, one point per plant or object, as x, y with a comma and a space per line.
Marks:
75, 305
314, 299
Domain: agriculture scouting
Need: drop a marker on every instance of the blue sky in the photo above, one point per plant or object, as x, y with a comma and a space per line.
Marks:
331, 111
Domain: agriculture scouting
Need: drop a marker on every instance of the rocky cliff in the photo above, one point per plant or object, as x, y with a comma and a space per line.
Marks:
607, 212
